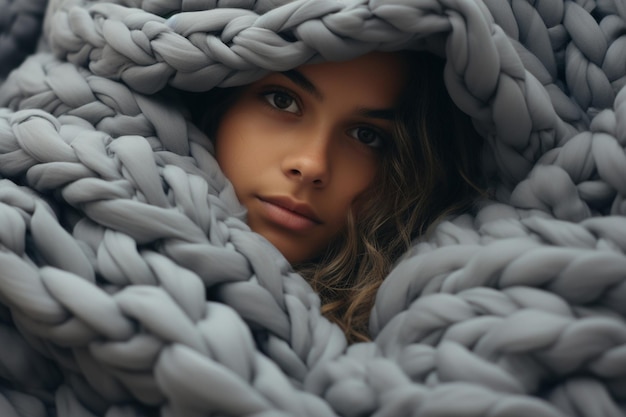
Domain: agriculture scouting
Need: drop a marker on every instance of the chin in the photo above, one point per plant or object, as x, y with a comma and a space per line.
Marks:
292, 250
294, 257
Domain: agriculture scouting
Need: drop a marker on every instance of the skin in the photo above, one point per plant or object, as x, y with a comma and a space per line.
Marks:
301, 147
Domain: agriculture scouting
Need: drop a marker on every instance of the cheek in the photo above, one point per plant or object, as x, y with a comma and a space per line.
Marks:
225, 151
364, 171
235, 134
231, 151
355, 181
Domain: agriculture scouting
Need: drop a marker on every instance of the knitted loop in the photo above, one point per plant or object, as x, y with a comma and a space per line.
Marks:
130, 284
12, 403
391, 393
588, 169
200, 50
482, 327
513, 260
119, 196
166, 7
592, 48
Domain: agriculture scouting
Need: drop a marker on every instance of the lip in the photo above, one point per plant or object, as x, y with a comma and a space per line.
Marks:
290, 213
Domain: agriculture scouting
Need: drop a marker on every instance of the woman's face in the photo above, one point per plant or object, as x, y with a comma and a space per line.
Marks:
300, 147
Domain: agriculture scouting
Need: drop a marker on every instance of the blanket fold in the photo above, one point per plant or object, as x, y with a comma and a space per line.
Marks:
130, 284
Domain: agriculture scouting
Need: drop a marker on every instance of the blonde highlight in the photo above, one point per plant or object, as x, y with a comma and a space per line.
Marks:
430, 172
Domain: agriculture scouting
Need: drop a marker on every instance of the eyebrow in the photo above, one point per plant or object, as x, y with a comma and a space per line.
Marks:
303, 82
383, 114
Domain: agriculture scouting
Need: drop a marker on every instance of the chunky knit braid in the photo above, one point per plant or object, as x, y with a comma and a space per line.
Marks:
131, 286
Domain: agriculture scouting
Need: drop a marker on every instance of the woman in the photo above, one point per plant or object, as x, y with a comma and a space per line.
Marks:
341, 164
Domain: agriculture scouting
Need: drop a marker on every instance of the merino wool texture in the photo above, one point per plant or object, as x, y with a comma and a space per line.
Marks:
130, 284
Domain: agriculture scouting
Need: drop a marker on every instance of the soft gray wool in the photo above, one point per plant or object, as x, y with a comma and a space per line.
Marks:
115, 220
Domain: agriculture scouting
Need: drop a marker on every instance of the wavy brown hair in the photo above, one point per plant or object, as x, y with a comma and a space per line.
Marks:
429, 171
432, 170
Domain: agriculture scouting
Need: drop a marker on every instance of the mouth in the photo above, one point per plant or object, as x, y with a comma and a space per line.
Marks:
290, 213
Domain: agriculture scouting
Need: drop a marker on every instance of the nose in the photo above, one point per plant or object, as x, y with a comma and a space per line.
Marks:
308, 160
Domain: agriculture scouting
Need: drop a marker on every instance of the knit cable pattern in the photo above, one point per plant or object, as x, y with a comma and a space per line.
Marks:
131, 286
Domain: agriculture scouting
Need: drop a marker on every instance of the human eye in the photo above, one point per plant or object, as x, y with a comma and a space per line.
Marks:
281, 100
369, 136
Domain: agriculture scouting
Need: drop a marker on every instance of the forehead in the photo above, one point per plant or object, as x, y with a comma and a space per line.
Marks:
378, 77
375, 72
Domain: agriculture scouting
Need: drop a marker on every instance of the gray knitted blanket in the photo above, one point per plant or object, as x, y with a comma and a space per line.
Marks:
130, 284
